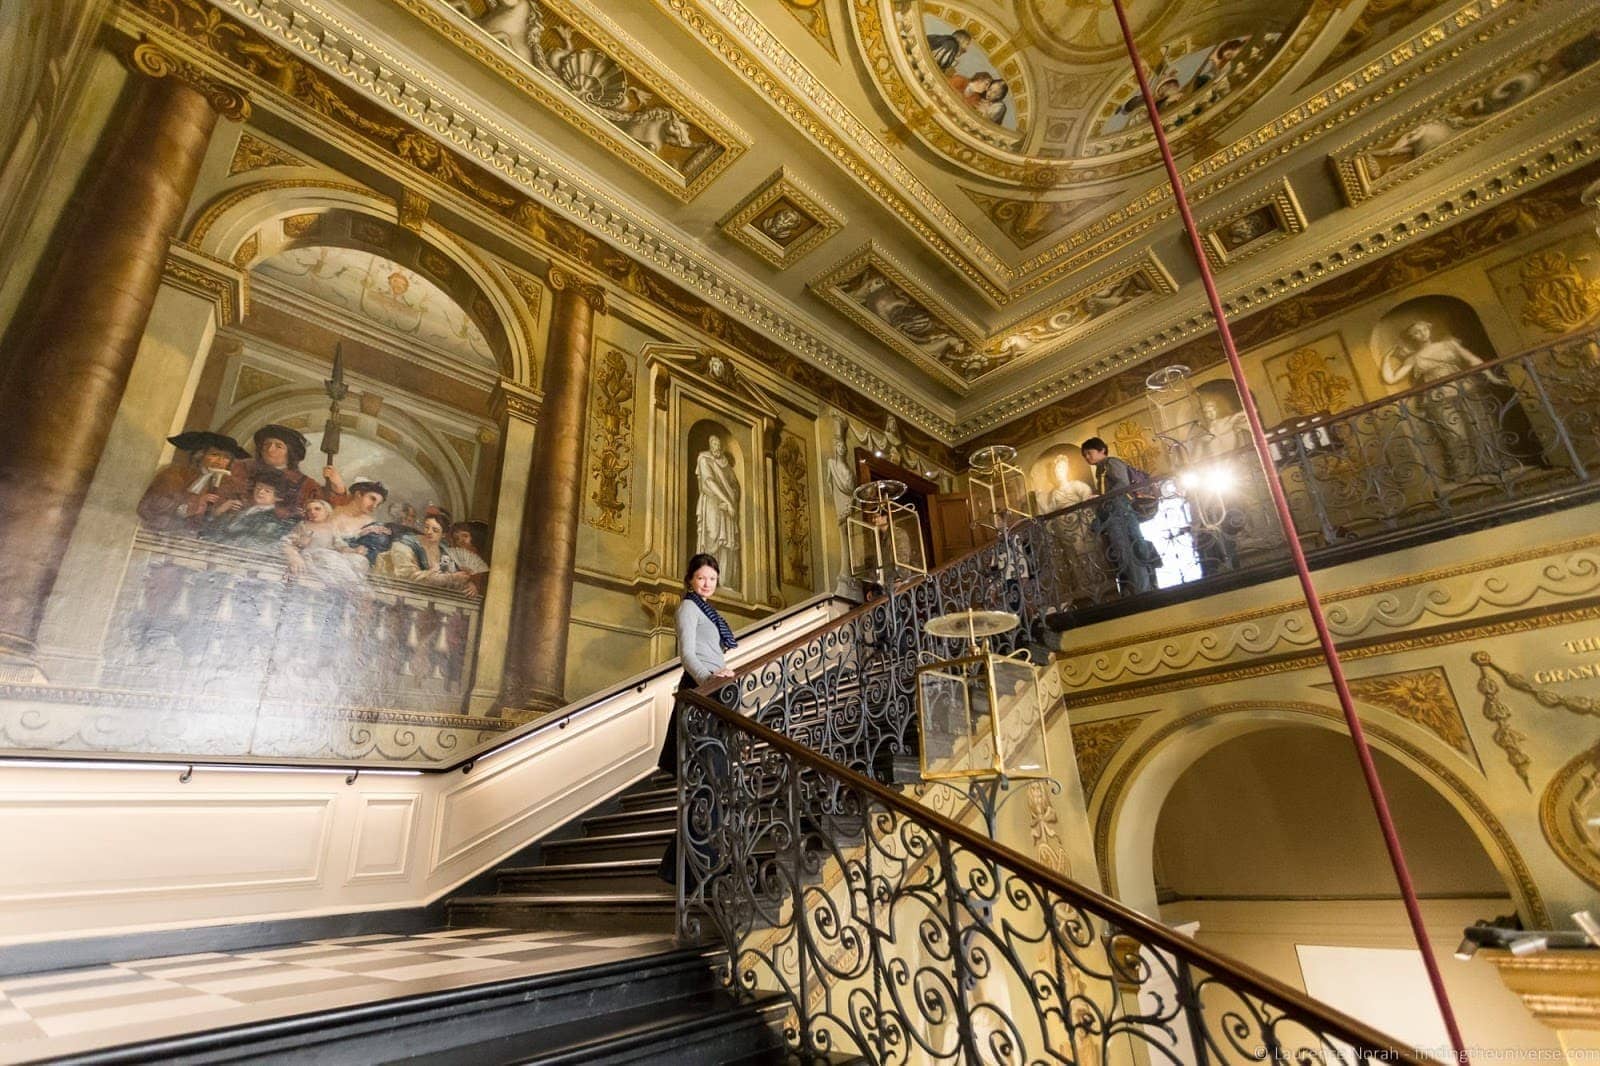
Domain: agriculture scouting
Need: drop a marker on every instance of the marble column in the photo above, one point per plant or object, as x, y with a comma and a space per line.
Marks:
72, 346
536, 651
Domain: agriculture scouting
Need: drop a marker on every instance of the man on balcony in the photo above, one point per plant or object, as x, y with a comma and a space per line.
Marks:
1132, 557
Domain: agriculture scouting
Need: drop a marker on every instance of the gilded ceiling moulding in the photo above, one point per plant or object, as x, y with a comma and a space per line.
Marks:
1539, 78
871, 290
1259, 223
1044, 408
349, 101
563, 59
781, 221
735, 35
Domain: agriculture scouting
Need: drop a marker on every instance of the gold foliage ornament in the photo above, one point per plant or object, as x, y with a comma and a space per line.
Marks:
795, 517
611, 442
1312, 387
1560, 298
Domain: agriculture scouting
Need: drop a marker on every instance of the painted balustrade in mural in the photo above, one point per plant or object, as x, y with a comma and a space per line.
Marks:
900, 936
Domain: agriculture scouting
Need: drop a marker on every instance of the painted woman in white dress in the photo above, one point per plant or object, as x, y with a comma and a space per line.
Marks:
1461, 414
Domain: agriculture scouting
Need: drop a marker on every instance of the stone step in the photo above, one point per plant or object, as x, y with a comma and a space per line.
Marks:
644, 844
622, 875
666, 795
615, 912
659, 817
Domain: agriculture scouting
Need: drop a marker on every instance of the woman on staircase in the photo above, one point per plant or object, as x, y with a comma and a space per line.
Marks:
703, 636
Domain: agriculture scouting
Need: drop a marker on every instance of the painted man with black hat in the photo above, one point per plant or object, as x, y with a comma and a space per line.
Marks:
280, 448
183, 492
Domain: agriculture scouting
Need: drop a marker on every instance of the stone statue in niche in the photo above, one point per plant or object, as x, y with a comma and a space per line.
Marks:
1463, 412
1065, 490
717, 514
841, 482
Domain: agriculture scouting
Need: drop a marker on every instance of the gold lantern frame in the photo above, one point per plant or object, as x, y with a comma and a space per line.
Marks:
977, 628
997, 489
884, 536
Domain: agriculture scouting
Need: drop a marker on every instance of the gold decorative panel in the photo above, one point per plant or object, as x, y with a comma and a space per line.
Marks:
1423, 697
568, 62
1314, 378
794, 522
1517, 91
610, 441
253, 153
1554, 289
1083, 310
813, 15
1250, 227
873, 292
780, 221
1095, 743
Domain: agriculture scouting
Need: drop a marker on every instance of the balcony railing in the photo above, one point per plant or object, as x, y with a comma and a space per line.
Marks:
1513, 433
900, 936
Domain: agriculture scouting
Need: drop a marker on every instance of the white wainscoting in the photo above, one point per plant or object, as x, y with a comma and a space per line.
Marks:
94, 849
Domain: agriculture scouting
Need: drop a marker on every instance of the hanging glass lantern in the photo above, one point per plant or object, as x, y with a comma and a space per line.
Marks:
885, 536
1174, 408
982, 715
997, 489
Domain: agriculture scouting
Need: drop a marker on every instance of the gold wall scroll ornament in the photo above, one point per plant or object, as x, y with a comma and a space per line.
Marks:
1560, 299
1310, 386
657, 605
1422, 697
1569, 815
252, 153
153, 61
247, 251
1094, 743
794, 511
1043, 826
611, 441
1132, 441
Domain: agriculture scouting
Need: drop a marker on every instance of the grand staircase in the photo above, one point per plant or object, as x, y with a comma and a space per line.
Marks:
603, 876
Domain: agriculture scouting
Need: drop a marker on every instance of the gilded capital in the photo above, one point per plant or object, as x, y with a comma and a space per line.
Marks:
512, 400
153, 61
588, 291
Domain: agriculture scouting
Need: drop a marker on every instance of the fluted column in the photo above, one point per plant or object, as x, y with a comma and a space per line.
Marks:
536, 653
69, 353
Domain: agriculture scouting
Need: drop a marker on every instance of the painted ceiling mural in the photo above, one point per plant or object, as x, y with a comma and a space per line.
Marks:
996, 157
385, 293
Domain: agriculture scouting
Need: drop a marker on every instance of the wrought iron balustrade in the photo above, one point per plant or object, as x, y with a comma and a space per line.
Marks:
900, 936
1513, 432
847, 690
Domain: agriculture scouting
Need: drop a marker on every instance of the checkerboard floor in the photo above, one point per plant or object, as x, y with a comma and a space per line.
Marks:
43, 1015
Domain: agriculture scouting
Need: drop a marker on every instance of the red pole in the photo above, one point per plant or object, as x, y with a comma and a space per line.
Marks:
1330, 651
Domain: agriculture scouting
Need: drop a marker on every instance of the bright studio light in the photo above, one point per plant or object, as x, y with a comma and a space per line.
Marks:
1217, 478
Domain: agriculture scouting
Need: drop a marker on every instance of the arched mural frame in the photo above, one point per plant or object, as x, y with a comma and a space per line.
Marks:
224, 228
1124, 845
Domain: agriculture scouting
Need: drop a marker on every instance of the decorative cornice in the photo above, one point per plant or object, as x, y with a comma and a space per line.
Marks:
223, 283
511, 400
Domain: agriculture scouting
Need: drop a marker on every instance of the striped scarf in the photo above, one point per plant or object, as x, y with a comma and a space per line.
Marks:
724, 634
